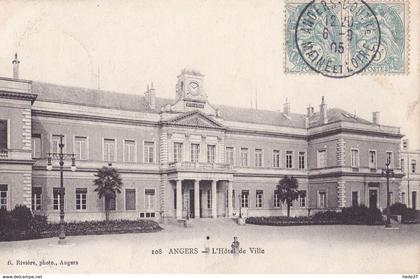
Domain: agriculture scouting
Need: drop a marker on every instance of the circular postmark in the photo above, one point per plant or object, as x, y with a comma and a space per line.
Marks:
337, 38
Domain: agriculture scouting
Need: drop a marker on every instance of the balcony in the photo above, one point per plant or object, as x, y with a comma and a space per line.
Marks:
199, 166
4, 154
15, 154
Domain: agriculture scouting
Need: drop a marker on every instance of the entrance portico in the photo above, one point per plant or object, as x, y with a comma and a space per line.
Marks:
202, 195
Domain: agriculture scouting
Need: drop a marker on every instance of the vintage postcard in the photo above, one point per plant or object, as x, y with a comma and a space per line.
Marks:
209, 137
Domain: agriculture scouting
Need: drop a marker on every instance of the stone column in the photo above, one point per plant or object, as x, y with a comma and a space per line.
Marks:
230, 199
197, 198
179, 199
214, 199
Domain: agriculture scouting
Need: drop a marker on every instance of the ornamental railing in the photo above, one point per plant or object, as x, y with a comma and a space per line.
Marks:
199, 165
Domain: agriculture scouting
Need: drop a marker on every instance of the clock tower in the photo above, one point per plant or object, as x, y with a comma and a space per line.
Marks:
190, 95
189, 87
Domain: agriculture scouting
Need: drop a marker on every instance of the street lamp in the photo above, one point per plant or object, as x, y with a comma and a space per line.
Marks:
387, 172
61, 157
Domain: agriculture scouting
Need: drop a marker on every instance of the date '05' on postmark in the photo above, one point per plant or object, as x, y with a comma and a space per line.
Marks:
342, 38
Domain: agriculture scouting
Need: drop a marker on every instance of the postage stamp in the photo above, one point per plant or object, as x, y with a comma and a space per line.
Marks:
342, 38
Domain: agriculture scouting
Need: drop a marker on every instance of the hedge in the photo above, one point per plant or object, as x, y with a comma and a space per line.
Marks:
408, 215
21, 224
358, 215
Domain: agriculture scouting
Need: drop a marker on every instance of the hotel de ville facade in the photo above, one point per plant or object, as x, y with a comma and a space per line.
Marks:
185, 156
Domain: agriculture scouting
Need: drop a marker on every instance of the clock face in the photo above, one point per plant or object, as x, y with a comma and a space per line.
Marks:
194, 88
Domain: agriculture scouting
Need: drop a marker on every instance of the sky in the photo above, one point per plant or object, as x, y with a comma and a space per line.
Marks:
238, 45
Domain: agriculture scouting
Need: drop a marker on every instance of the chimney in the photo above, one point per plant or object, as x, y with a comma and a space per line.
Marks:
286, 107
150, 96
16, 63
375, 117
306, 122
309, 111
323, 112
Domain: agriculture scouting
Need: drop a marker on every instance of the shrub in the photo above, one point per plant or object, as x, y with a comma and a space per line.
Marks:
408, 215
22, 216
411, 216
326, 216
7, 226
361, 215
397, 209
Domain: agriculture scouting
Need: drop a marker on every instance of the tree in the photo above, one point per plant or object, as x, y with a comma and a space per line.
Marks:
108, 184
287, 190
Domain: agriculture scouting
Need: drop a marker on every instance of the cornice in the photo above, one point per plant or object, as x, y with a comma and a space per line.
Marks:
93, 118
18, 95
354, 174
353, 131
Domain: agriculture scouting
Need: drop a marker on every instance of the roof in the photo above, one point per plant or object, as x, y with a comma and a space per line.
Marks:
336, 115
113, 100
93, 97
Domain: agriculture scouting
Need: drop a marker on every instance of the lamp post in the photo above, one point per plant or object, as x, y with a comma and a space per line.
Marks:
387, 172
61, 157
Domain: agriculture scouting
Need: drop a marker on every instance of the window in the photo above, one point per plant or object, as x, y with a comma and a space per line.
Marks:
149, 196
302, 199
36, 198
413, 166
355, 158
109, 150
403, 197
229, 155
372, 159
244, 198
259, 198
322, 158
211, 153
3, 196
301, 160
389, 159
81, 194
402, 165
289, 159
149, 152
3, 134
36, 146
195, 152
354, 198
277, 201
405, 144
209, 197
244, 157
322, 199
276, 158
258, 157
178, 150
56, 198
80, 148
55, 144
129, 151
130, 199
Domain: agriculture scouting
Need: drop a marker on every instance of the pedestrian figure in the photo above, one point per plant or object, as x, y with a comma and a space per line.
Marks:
207, 245
235, 245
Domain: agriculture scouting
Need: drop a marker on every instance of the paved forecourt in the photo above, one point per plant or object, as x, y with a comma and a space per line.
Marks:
264, 249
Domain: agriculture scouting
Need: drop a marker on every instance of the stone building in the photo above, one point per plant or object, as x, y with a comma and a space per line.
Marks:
410, 184
185, 156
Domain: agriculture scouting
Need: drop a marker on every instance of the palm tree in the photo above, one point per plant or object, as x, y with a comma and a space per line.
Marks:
288, 191
108, 184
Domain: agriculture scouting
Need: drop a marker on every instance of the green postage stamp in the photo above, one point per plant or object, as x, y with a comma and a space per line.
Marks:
342, 38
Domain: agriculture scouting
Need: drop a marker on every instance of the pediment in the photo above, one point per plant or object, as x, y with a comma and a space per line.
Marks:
195, 119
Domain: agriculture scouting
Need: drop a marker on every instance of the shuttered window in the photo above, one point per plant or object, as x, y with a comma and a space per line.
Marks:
130, 199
